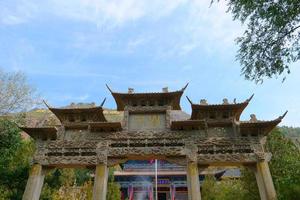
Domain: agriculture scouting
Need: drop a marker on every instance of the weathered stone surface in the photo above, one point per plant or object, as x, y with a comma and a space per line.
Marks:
100, 182
193, 181
35, 183
144, 131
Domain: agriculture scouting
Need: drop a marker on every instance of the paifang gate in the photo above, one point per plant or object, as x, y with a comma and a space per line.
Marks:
153, 126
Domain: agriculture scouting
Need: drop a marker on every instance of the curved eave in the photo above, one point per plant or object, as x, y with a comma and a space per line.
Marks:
105, 126
265, 127
237, 108
61, 112
76, 110
94, 126
188, 125
43, 133
76, 125
121, 97
219, 123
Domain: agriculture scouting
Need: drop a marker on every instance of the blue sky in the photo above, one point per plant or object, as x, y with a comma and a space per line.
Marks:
69, 49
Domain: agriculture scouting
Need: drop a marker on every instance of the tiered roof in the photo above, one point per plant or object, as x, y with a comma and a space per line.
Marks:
209, 111
73, 114
74, 117
211, 115
221, 115
203, 115
258, 127
85, 117
133, 99
188, 125
42, 133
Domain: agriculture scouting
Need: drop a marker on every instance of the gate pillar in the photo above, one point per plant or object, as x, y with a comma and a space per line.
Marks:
193, 182
260, 185
34, 183
100, 182
264, 181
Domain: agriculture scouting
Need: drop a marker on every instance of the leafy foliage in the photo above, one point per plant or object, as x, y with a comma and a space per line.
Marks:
16, 94
62, 183
74, 193
14, 161
224, 190
208, 188
285, 165
82, 176
249, 185
113, 188
272, 38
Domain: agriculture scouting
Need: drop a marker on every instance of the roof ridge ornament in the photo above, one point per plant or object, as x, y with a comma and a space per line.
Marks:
189, 100
225, 101
185, 87
282, 116
109, 88
249, 99
130, 90
165, 89
253, 118
103, 102
203, 102
46, 104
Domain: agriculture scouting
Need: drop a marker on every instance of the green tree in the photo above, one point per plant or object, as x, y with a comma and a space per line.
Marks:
54, 180
15, 95
284, 165
113, 188
230, 189
272, 38
223, 190
249, 184
208, 191
82, 176
58, 184
14, 160
15, 92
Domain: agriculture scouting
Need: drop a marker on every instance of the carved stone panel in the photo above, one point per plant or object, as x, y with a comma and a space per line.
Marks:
149, 121
113, 147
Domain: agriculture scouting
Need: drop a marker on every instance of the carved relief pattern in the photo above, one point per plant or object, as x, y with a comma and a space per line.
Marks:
68, 160
177, 160
138, 134
147, 108
233, 158
163, 151
115, 161
172, 144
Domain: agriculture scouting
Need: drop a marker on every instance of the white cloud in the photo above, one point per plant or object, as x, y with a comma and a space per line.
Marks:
200, 27
68, 97
134, 44
114, 11
207, 27
100, 12
12, 20
15, 12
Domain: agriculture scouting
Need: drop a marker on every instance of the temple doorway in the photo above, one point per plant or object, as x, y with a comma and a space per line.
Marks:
162, 196
138, 182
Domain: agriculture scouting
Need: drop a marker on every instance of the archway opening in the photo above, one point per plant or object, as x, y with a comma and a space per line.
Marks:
152, 179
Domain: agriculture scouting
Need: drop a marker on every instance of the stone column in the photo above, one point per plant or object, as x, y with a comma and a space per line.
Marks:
260, 184
100, 182
264, 181
193, 182
34, 183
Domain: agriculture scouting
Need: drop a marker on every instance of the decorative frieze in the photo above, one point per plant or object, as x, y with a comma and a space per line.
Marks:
213, 149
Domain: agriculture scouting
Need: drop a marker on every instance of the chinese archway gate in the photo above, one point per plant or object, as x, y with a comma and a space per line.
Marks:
153, 126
